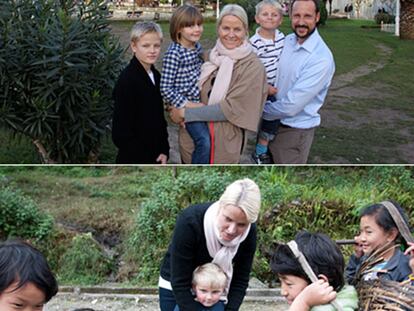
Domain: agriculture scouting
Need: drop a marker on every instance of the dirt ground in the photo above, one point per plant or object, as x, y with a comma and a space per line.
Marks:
71, 302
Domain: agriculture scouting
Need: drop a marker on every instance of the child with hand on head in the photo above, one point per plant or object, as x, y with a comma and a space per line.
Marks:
209, 284
378, 229
181, 71
139, 129
268, 44
326, 261
26, 282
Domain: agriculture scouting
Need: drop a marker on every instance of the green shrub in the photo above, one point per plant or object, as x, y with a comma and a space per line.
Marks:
20, 216
386, 18
84, 262
58, 66
249, 6
316, 199
323, 12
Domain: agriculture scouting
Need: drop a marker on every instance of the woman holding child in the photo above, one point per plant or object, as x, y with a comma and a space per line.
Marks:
223, 232
234, 88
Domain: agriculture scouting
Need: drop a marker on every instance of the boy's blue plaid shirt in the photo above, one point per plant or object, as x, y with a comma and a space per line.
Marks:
180, 72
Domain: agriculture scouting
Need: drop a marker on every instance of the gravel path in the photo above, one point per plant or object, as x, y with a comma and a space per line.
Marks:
66, 302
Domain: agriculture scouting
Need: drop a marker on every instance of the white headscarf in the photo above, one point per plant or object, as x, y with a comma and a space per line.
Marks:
221, 251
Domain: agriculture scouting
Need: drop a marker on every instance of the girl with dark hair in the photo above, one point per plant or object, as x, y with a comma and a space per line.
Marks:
379, 232
26, 282
326, 261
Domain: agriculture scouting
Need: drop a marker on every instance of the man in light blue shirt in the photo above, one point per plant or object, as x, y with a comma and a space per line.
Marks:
306, 70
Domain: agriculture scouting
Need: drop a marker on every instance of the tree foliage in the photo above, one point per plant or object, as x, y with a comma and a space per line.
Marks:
248, 5
58, 65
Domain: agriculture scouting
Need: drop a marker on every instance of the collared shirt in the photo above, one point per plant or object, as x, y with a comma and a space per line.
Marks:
305, 74
180, 73
268, 51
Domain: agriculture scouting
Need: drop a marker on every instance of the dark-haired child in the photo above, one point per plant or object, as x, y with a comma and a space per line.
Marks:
326, 261
377, 228
26, 281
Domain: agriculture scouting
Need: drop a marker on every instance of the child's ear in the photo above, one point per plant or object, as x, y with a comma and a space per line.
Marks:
323, 277
132, 45
392, 235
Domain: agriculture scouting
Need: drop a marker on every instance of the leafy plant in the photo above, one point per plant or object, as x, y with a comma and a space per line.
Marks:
20, 216
249, 6
58, 65
384, 17
323, 12
84, 262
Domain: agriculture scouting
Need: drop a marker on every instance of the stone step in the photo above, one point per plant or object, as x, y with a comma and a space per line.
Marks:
151, 294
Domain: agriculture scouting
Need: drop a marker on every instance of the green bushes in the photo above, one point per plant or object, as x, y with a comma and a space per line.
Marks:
384, 17
325, 199
316, 199
84, 262
323, 13
20, 216
58, 65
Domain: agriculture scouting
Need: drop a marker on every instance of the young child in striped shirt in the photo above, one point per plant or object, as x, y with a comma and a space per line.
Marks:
181, 71
268, 44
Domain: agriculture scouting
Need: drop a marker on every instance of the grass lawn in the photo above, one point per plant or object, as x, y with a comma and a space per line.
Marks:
366, 119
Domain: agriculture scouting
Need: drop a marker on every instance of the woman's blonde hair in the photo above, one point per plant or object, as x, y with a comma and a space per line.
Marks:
184, 16
210, 274
245, 194
237, 11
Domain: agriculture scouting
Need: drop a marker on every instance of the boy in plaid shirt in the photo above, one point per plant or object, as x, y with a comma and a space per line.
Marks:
181, 70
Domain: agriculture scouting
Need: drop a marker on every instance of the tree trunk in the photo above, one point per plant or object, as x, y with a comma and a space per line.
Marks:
407, 20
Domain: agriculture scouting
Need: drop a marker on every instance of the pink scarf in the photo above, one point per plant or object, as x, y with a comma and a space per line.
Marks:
223, 59
221, 251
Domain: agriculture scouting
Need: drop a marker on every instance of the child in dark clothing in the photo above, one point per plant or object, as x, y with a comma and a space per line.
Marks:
377, 228
209, 284
26, 281
139, 128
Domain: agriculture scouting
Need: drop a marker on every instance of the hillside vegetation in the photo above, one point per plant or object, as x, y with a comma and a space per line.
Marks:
98, 224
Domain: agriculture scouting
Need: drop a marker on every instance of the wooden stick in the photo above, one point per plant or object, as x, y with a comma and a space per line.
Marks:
307, 268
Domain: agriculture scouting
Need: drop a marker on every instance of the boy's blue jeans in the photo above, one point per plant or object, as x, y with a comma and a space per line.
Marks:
201, 137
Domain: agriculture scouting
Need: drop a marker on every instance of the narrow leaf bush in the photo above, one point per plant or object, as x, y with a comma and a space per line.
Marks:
58, 65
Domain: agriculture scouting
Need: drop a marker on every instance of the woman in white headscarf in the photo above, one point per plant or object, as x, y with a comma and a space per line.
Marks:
223, 232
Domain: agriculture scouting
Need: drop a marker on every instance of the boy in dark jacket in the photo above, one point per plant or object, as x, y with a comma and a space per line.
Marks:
139, 128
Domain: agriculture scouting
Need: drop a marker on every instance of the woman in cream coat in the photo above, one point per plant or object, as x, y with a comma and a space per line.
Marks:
233, 87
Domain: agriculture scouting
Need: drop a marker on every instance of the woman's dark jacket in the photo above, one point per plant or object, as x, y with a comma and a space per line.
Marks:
139, 129
188, 250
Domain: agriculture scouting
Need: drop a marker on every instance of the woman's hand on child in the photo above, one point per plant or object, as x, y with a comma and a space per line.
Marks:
271, 90
162, 159
318, 293
177, 115
194, 105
